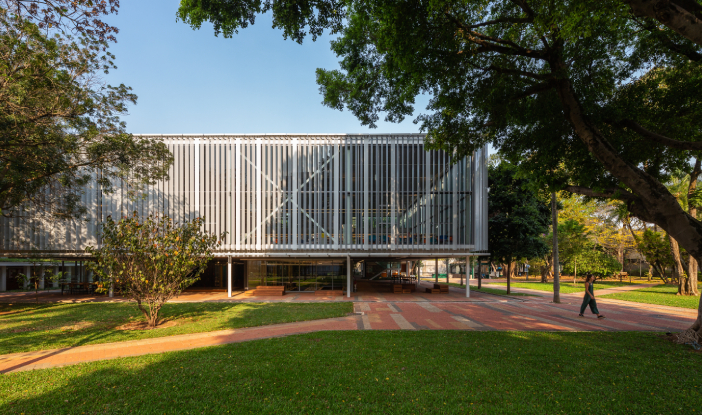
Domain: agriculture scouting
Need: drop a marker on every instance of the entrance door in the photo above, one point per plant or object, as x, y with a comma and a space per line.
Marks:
238, 273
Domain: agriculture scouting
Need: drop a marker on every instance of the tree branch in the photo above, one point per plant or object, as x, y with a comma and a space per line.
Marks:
534, 90
502, 20
662, 36
677, 15
524, 6
661, 139
609, 193
489, 43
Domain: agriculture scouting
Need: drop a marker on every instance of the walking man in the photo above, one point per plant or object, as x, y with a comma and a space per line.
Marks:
589, 298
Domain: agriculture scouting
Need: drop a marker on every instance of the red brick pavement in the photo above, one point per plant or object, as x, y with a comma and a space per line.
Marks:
490, 313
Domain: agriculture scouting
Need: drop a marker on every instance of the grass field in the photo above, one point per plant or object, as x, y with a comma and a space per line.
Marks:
392, 372
28, 327
490, 290
660, 294
566, 287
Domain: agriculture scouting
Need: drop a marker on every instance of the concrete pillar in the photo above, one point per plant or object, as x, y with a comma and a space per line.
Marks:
41, 277
436, 270
28, 273
3, 278
448, 270
229, 276
348, 276
468, 275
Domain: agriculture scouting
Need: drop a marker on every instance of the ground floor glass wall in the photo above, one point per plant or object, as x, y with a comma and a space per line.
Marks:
298, 275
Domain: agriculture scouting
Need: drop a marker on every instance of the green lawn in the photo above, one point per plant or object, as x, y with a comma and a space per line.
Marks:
566, 287
660, 294
495, 291
28, 327
373, 372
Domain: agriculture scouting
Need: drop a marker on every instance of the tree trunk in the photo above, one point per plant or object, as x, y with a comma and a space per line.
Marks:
649, 199
678, 272
556, 271
661, 272
480, 275
509, 275
692, 263
692, 276
153, 317
575, 270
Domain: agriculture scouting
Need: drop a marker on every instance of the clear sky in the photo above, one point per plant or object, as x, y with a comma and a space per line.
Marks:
189, 81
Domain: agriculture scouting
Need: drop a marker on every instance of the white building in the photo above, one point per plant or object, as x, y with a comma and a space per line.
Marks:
299, 210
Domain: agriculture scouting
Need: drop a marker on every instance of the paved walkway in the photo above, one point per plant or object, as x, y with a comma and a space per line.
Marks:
221, 296
492, 312
549, 294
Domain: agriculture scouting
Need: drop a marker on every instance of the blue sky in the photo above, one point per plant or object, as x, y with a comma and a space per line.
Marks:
189, 81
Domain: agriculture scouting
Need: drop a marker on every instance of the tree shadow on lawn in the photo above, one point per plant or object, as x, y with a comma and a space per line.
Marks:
373, 371
70, 325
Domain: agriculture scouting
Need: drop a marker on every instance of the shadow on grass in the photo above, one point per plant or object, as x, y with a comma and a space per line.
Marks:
39, 327
380, 371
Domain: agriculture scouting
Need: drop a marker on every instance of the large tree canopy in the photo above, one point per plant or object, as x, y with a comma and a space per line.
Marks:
60, 125
599, 98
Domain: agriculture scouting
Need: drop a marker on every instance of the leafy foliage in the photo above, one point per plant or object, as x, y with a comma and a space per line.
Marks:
656, 249
593, 259
571, 241
152, 261
83, 16
516, 217
59, 123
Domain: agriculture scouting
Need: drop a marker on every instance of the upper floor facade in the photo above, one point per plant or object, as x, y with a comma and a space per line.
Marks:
295, 195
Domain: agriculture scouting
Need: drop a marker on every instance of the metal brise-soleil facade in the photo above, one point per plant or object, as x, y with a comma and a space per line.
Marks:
298, 195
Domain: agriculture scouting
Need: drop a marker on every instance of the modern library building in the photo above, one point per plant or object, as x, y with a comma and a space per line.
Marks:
308, 212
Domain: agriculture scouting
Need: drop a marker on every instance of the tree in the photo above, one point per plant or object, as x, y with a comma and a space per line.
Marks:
516, 217
594, 260
657, 252
683, 185
152, 260
572, 241
60, 126
82, 16
585, 95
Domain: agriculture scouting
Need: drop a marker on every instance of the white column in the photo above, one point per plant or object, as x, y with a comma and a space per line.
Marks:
348, 276
28, 273
3, 278
448, 270
436, 270
454, 207
427, 190
198, 212
229, 276
296, 207
41, 277
366, 231
228, 194
55, 283
468, 275
237, 193
259, 196
393, 198
336, 211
